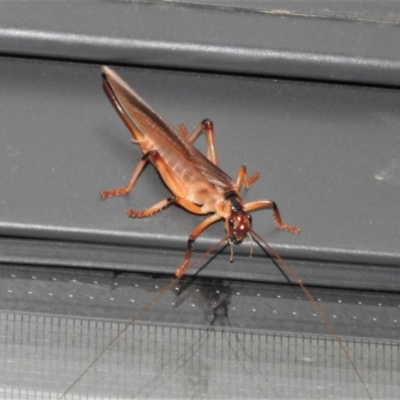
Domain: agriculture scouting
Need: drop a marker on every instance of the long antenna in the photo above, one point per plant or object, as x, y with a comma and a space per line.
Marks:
289, 270
135, 317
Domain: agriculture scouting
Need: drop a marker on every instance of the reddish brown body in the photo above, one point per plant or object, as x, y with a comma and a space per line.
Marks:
196, 181
197, 184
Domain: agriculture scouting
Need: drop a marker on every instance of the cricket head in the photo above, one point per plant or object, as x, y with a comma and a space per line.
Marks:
238, 223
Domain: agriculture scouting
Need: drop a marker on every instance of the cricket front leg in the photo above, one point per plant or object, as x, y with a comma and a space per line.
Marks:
181, 270
270, 204
244, 179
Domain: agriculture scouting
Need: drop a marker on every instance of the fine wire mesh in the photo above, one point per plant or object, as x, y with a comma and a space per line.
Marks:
42, 355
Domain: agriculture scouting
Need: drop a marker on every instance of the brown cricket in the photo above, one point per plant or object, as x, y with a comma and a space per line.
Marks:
197, 183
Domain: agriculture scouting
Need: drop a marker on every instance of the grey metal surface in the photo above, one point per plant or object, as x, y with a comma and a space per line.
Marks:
328, 154
350, 43
372, 10
265, 340
262, 269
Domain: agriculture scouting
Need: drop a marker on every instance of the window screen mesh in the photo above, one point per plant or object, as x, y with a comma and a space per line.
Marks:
42, 355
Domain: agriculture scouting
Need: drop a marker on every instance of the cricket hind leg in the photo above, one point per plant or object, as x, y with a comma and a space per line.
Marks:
169, 178
148, 212
270, 204
128, 188
149, 156
206, 126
